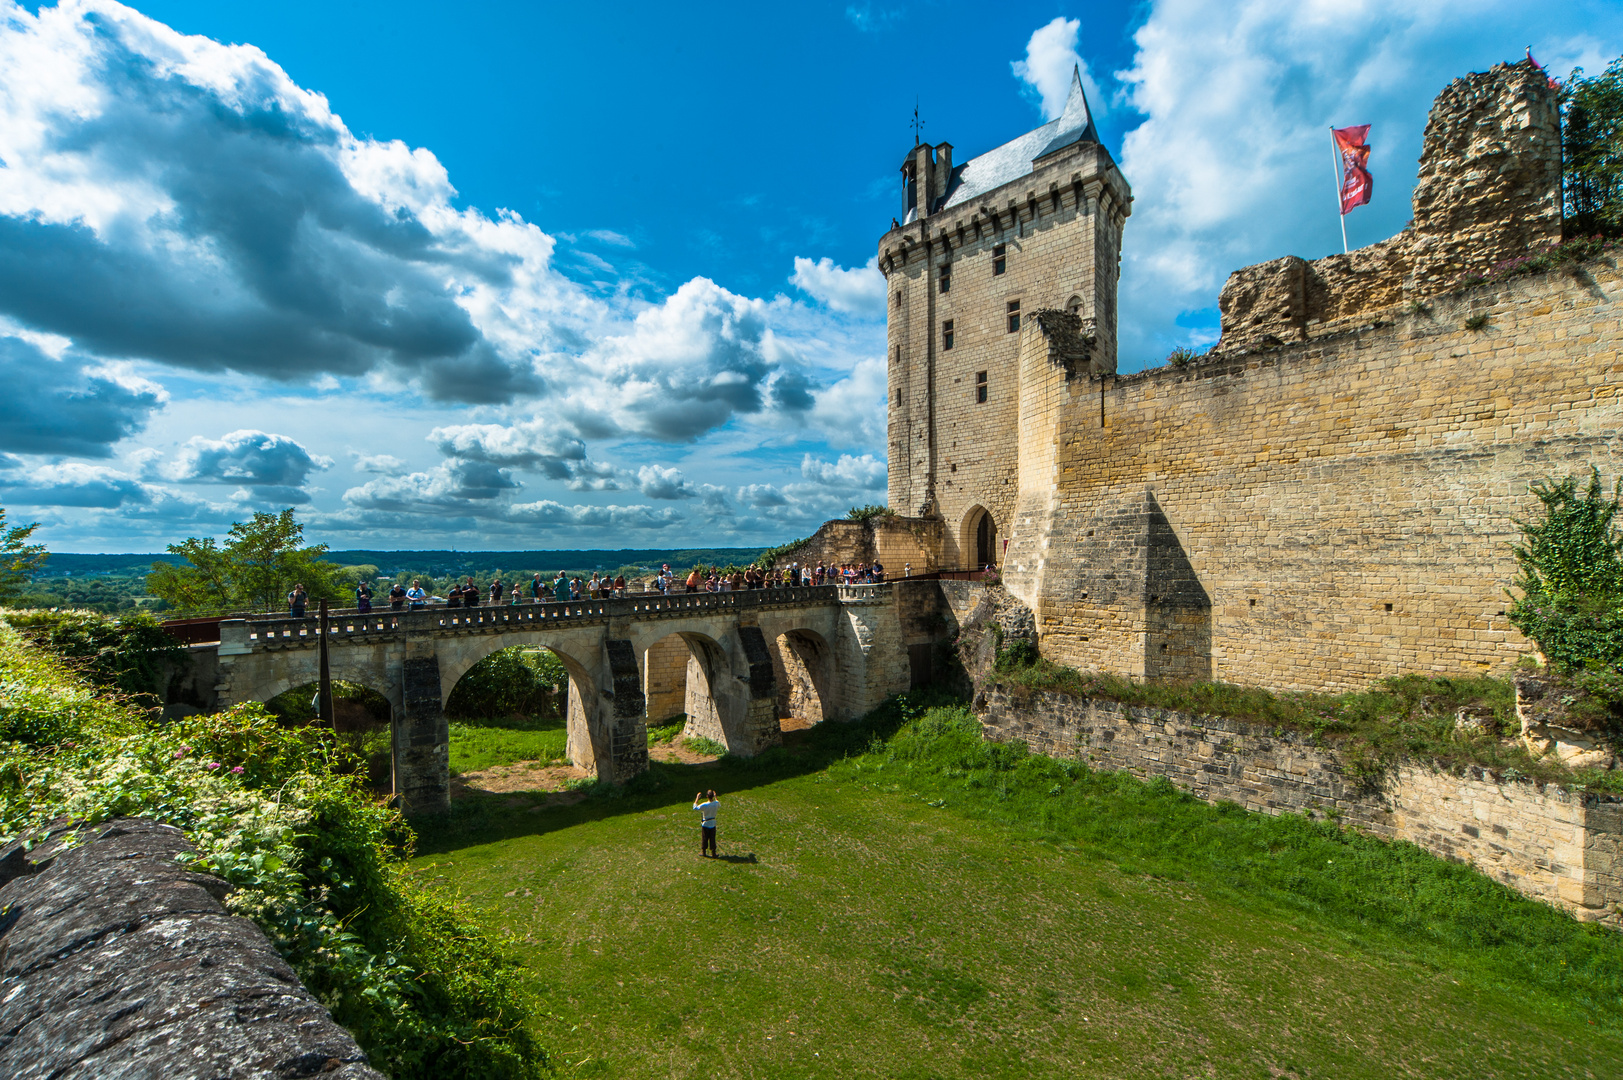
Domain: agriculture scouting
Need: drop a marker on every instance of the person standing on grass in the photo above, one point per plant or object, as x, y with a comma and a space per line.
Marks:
707, 804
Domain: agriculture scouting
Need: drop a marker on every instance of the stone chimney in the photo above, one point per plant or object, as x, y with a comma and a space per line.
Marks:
943, 172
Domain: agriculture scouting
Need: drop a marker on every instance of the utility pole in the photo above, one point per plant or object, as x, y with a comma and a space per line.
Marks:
324, 687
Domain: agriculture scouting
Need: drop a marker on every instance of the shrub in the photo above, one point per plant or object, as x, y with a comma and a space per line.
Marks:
316, 863
869, 513
127, 654
515, 680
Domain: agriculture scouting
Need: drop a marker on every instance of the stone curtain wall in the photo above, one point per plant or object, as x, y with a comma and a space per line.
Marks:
1322, 515
1557, 846
116, 961
1489, 189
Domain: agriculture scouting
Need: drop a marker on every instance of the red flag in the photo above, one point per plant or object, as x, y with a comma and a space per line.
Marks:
1355, 179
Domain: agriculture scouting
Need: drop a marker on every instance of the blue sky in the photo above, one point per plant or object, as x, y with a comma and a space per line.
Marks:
536, 275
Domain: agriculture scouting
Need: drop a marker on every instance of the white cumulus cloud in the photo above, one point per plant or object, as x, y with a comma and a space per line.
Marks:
859, 290
1051, 58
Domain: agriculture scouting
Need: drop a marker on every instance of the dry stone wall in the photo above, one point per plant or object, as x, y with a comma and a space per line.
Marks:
895, 542
1561, 847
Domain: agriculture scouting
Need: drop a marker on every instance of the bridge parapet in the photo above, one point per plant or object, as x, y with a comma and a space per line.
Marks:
270, 632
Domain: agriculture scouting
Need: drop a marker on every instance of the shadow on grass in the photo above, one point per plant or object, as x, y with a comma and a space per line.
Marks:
481, 818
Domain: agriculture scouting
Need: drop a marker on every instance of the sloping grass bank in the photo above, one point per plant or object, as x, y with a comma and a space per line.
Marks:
904, 899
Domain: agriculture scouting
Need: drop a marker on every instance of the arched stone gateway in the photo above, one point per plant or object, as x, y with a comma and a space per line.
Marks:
979, 540
841, 647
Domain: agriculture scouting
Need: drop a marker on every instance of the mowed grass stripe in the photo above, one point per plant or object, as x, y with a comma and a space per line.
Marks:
878, 935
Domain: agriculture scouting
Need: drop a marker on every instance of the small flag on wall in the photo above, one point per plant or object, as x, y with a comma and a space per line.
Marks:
1354, 152
1540, 68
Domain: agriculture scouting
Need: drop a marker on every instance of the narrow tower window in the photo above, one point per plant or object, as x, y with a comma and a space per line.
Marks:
999, 261
946, 335
980, 387
1014, 316
946, 279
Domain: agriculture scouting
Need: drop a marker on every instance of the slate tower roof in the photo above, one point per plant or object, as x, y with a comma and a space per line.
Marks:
1014, 158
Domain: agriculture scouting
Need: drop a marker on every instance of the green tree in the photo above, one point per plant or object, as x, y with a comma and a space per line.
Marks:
1592, 152
18, 558
256, 568
1572, 583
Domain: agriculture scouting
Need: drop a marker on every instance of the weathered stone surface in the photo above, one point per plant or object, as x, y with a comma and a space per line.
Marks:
1547, 726
116, 962
1489, 189
894, 542
1561, 847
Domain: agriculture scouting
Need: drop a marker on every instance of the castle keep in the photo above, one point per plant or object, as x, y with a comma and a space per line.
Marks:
1327, 497
1034, 224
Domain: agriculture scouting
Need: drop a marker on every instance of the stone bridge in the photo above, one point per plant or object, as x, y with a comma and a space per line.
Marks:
734, 662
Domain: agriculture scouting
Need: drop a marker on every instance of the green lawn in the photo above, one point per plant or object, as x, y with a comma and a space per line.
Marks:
934, 907
484, 744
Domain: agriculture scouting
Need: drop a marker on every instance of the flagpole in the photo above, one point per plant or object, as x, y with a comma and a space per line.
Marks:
1335, 167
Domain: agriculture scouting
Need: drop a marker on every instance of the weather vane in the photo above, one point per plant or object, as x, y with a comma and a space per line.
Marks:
918, 125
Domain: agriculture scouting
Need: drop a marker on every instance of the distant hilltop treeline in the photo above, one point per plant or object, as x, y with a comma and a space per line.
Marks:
436, 562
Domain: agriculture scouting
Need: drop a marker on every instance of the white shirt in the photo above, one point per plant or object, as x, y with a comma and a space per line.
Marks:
707, 812
416, 594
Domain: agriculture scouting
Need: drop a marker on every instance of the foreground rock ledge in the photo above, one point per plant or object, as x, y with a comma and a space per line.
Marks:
115, 961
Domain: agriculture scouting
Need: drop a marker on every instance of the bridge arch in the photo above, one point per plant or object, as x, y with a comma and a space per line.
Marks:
683, 666
587, 741
365, 672
804, 664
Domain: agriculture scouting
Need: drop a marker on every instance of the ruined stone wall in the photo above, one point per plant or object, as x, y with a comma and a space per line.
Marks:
1325, 514
1561, 847
1488, 190
895, 541
115, 960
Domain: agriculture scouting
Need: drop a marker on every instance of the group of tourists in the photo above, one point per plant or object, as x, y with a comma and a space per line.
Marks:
792, 576
565, 589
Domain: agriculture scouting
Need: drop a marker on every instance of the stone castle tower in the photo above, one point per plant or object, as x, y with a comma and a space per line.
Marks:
1031, 226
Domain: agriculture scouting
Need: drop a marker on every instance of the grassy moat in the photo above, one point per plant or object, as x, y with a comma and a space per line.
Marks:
897, 898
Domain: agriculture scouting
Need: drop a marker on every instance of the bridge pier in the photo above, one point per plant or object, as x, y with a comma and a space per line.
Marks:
421, 736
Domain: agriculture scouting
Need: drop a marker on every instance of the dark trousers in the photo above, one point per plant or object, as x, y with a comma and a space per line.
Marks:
707, 840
